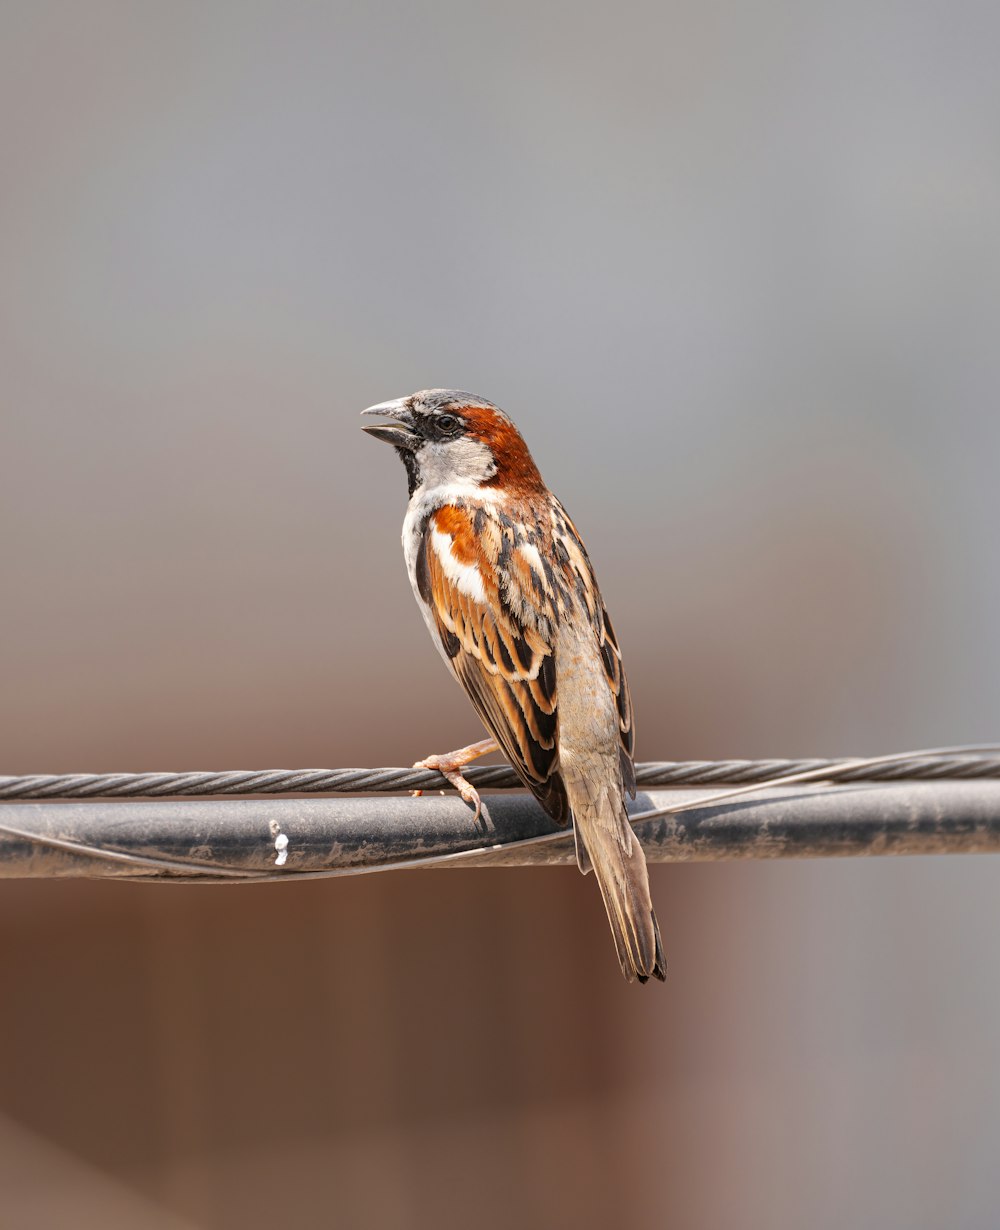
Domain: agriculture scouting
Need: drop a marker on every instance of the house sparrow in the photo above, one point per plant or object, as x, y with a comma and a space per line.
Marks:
511, 601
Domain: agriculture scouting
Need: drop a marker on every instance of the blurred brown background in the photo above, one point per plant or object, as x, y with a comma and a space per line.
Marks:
735, 270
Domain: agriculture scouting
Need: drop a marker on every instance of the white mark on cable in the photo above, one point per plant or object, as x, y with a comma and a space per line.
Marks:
280, 843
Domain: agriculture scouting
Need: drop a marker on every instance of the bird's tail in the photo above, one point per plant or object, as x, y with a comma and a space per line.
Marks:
606, 844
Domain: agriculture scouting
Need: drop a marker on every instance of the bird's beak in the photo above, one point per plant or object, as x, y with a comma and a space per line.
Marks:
400, 436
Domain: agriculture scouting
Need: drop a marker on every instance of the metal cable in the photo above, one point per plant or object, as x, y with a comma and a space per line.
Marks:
952, 764
266, 839
99, 831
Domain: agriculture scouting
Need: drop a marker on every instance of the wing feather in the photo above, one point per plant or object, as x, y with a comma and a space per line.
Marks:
505, 662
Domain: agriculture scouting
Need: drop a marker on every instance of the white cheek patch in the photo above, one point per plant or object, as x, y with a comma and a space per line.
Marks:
466, 578
460, 462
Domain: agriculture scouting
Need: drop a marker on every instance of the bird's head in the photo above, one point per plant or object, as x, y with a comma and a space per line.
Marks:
446, 438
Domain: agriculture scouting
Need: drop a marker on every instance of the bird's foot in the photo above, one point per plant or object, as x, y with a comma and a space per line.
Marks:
450, 766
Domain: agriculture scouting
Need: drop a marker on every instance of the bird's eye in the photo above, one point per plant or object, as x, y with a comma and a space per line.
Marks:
447, 424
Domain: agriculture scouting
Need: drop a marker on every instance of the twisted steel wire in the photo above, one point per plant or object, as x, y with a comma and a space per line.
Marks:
204, 840
236, 783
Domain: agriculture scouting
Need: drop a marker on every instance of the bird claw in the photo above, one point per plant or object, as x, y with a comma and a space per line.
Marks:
467, 791
471, 795
450, 766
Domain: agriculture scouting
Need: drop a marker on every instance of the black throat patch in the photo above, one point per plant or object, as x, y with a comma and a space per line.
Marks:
412, 469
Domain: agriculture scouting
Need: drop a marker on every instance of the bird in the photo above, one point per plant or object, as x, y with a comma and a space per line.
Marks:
511, 601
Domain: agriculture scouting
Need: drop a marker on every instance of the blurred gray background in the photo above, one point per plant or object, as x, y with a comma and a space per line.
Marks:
735, 271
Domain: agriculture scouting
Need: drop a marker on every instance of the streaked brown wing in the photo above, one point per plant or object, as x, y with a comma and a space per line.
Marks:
506, 667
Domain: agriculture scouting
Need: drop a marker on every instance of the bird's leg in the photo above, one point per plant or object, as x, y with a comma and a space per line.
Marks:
451, 764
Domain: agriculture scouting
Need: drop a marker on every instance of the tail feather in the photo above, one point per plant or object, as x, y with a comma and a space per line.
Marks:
605, 840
